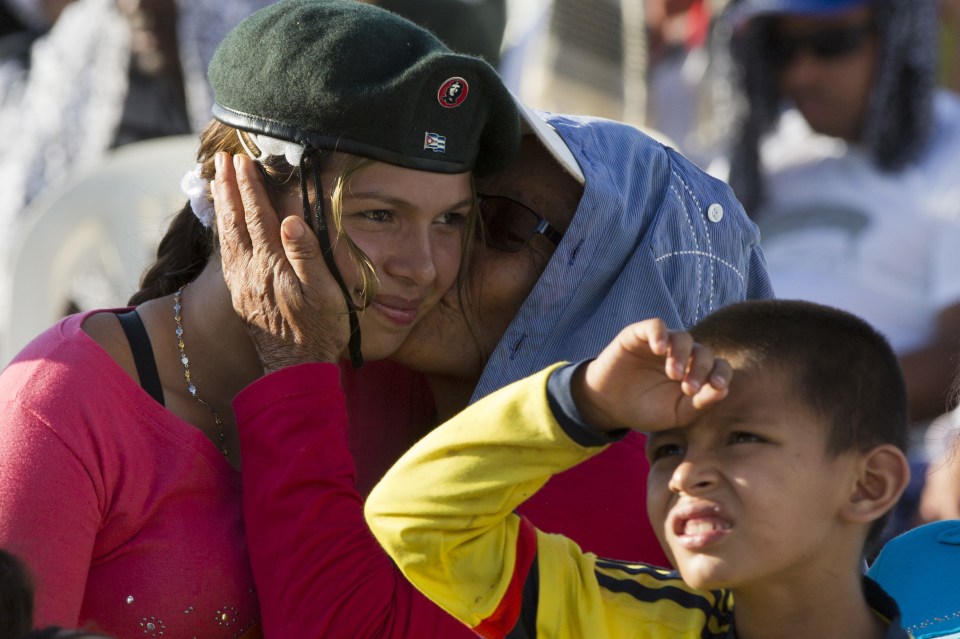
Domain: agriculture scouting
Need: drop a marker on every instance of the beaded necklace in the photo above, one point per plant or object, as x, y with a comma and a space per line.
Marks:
177, 306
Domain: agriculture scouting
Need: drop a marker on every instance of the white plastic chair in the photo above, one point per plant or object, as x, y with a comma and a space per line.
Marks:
86, 243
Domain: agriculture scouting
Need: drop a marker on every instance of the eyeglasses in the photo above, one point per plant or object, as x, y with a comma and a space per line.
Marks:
509, 225
828, 44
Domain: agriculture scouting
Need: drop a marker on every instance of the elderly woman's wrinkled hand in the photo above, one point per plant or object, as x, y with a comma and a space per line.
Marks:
279, 284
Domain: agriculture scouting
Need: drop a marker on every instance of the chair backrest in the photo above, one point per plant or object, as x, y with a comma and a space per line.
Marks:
84, 245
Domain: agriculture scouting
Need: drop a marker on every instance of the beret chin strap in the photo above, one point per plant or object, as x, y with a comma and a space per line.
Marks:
323, 234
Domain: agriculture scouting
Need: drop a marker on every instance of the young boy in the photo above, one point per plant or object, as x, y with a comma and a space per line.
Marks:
776, 446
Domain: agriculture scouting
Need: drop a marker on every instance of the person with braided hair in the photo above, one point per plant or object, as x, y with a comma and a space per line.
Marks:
846, 155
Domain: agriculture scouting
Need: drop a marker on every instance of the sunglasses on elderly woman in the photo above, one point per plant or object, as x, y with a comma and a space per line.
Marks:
827, 44
509, 225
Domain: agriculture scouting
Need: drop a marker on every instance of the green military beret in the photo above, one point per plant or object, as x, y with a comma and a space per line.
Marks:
344, 75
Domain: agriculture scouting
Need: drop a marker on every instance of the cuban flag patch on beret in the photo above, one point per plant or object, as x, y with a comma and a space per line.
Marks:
435, 142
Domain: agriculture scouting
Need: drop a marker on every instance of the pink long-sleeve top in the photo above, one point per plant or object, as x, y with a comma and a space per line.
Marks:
129, 519
320, 572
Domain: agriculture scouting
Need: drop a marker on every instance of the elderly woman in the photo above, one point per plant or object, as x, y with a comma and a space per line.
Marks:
592, 227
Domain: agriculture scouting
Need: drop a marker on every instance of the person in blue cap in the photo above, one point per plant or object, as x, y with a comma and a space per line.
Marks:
919, 570
846, 155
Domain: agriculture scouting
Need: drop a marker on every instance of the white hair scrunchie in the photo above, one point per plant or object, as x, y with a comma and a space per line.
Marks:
196, 188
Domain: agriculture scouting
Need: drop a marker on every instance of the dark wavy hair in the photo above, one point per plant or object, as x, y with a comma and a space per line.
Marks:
16, 597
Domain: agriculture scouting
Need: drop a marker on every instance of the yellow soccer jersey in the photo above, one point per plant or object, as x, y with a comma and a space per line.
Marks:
444, 513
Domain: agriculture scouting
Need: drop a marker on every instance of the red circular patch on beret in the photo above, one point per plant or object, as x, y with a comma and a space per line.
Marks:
453, 92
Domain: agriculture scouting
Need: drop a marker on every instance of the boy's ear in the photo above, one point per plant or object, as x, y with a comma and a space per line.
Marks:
883, 474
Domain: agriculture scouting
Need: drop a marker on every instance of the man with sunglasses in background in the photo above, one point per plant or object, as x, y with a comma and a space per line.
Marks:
848, 157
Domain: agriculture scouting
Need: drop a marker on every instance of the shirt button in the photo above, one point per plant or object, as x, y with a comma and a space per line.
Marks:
715, 213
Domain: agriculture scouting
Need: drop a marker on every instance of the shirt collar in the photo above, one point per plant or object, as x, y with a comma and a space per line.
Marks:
886, 608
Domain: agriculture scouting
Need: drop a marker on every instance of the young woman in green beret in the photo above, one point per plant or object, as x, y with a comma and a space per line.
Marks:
119, 455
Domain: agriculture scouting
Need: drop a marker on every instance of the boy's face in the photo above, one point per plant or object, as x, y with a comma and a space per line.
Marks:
747, 494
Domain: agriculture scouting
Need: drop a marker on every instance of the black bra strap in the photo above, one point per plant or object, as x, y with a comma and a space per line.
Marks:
142, 353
